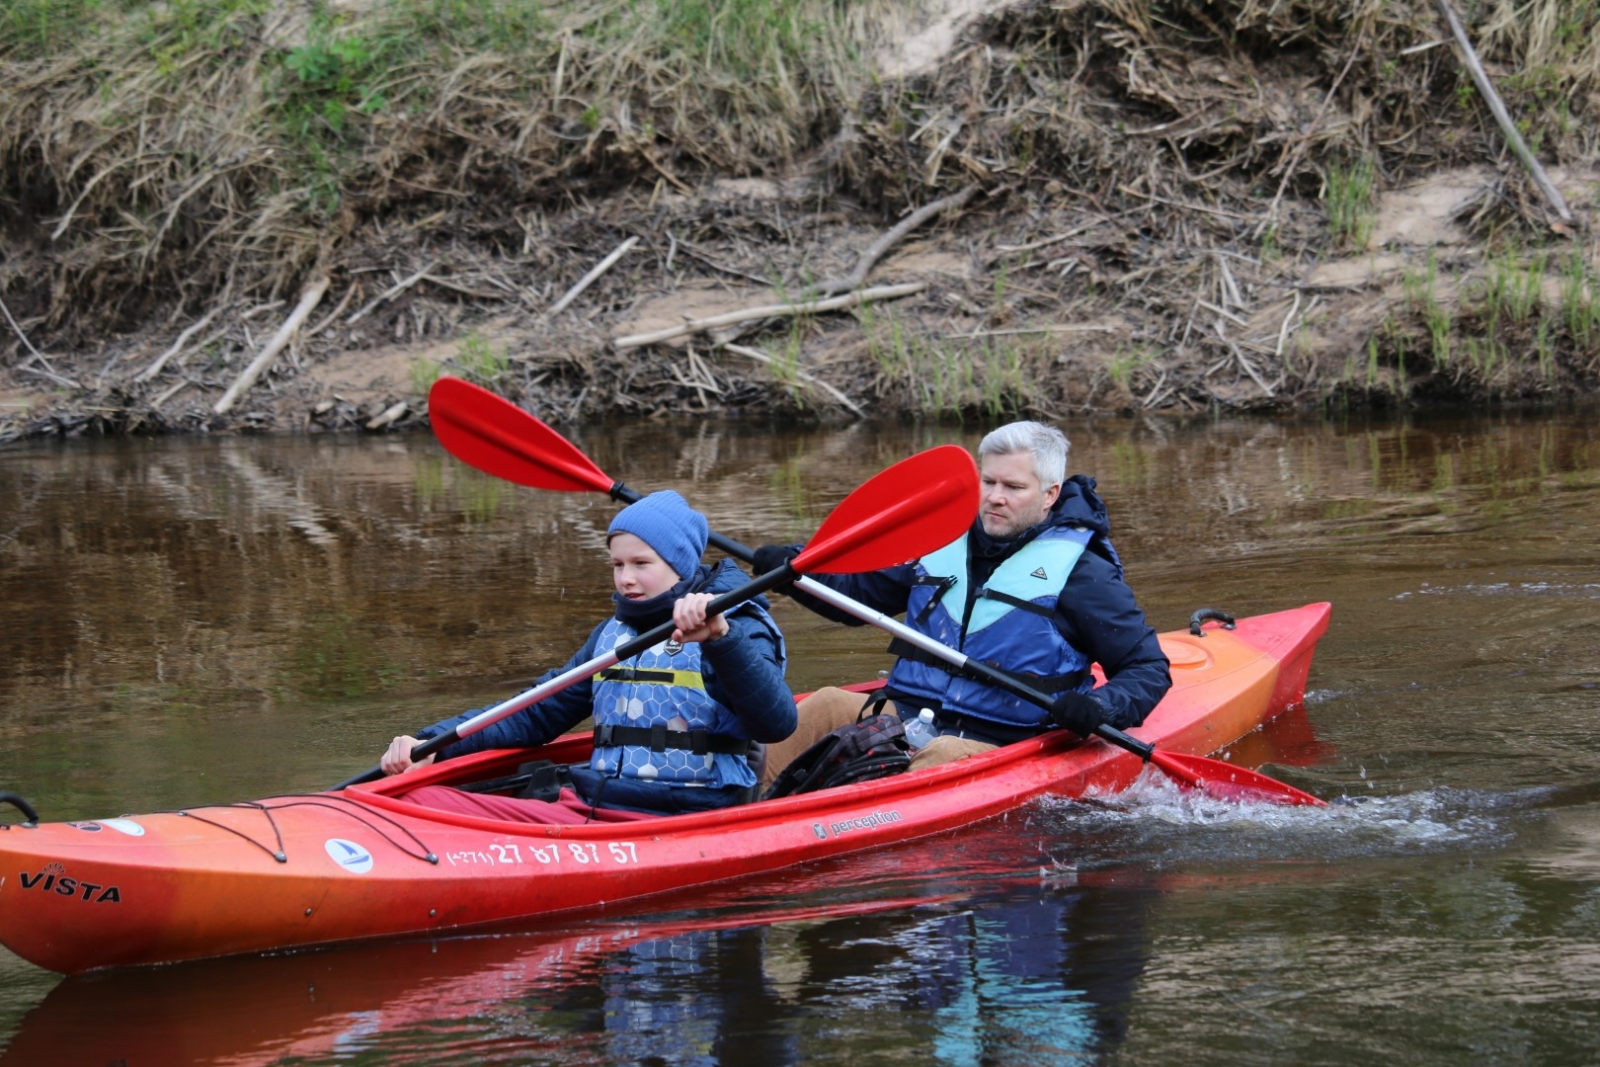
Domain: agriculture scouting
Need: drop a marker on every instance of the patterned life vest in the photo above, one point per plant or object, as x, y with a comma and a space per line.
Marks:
662, 689
1011, 626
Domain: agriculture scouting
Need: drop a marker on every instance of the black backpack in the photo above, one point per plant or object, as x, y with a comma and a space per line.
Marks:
874, 747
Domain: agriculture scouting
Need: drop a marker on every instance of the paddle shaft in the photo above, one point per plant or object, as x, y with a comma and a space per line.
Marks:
567, 679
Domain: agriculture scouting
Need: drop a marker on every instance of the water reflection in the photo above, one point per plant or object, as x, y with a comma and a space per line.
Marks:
193, 620
1015, 968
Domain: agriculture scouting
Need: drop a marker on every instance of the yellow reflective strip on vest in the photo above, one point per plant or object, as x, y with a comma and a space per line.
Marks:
652, 676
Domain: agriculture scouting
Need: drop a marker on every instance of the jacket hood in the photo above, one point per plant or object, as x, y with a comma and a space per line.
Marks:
1080, 505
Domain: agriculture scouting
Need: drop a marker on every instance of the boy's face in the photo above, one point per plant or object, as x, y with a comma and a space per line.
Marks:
636, 570
1012, 499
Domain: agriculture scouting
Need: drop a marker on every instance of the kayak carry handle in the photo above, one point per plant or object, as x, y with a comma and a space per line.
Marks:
1203, 615
30, 816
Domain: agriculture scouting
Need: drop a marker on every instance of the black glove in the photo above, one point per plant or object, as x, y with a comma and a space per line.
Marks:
1078, 712
771, 557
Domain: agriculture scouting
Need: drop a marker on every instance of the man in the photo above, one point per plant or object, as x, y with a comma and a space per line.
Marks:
1034, 588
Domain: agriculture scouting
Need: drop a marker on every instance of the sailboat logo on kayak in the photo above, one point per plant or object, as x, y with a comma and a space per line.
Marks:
349, 855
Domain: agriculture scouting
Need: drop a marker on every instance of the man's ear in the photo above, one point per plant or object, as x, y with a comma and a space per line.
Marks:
1051, 495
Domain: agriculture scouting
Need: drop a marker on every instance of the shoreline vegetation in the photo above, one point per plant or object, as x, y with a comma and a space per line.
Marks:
223, 215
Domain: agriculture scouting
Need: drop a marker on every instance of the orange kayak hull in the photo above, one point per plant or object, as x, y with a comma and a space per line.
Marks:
295, 871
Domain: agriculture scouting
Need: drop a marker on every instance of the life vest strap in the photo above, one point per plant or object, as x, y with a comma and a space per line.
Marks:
658, 738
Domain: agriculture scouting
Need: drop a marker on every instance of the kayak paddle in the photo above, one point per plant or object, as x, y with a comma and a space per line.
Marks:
492, 434
900, 513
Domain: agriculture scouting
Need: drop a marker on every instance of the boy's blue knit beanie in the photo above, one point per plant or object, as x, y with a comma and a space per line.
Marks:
665, 521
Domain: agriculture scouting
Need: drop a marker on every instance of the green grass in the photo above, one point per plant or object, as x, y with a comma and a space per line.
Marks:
1579, 307
479, 360
1514, 288
424, 372
1124, 362
1348, 200
34, 28
1421, 291
745, 77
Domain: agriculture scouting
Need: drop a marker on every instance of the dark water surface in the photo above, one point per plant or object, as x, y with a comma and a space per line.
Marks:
193, 620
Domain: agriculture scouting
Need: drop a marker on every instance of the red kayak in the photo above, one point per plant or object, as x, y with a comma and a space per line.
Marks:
362, 863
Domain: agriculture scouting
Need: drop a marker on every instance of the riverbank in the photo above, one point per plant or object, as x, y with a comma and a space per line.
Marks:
265, 216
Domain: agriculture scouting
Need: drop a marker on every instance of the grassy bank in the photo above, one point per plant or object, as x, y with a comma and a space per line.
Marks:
1157, 183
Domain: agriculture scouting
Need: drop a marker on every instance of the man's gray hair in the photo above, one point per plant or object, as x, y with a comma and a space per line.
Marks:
1048, 446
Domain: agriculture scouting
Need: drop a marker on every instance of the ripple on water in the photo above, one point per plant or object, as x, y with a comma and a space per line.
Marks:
1584, 590
1155, 821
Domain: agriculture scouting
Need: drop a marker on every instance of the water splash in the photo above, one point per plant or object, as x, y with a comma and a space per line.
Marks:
1154, 820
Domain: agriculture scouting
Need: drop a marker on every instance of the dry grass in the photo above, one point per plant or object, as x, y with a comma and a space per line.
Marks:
177, 157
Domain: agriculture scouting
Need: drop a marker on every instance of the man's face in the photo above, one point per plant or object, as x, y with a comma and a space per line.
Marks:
1012, 499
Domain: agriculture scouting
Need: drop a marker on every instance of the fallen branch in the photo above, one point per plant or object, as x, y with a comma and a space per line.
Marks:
309, 299
862, 296
1035, 329
24, 337
810, 379
1244, 363
1513, 137
338, 310
1190, 207
182, 384
389, 415
177, 346
588, 279
390, 293
43, 373
1058, 238
876, 250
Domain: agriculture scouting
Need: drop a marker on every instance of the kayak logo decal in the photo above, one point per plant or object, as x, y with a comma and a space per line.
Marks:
865, 822
52, 878
820, 830
349, 855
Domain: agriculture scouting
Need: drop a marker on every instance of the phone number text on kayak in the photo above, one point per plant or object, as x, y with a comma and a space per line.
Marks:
580, 852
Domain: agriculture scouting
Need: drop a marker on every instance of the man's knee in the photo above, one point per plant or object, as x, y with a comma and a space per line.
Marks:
947, 748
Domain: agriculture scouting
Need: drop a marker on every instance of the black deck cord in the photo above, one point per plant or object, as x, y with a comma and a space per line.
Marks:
320, 801
30, 816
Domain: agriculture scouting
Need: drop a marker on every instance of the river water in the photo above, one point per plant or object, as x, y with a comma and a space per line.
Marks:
214, 620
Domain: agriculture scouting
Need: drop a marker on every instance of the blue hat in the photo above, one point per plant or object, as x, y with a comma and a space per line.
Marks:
665, 521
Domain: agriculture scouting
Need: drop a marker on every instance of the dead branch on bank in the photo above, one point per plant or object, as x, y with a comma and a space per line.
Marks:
1513, 136
588, 279
308, 303
177, 346
771, 311
804, 376
875, 251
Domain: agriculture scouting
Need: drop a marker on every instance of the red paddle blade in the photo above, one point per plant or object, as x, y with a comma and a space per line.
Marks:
906, 511
1227, 782
497, 437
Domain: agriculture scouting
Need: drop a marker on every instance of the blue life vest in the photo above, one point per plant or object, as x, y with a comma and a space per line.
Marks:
1011, 626
663, 686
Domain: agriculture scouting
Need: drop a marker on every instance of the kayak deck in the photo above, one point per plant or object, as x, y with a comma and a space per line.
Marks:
364, 862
